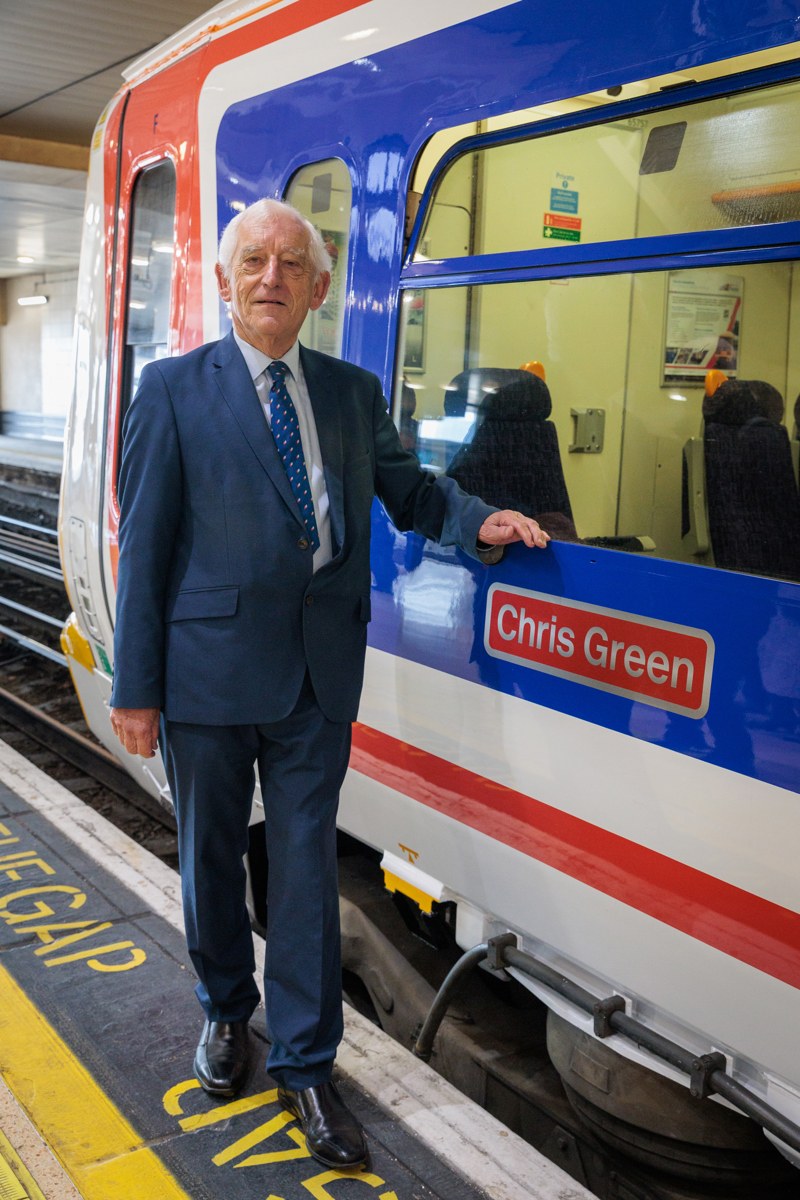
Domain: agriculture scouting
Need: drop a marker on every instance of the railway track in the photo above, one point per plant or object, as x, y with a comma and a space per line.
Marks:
30, 549
40, 715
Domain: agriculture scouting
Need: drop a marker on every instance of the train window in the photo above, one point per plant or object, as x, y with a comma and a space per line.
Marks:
716, 163
645, 412
150, 259
323, 193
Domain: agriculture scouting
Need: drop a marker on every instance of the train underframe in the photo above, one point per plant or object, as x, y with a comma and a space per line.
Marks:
620, 1129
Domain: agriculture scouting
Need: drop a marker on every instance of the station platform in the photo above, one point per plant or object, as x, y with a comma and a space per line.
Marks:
33, 454
98, 1025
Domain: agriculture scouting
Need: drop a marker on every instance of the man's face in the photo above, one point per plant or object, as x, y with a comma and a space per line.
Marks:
272, 283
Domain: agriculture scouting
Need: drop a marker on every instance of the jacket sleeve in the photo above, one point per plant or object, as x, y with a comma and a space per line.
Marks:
149, 490
433, 506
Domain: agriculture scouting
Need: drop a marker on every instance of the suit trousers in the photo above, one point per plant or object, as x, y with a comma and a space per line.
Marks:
302, 761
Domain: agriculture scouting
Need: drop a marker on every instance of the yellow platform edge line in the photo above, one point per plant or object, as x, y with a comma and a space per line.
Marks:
100, 1151
18, 1170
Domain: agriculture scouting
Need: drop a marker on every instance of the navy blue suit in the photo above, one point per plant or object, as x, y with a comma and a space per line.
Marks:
251, 656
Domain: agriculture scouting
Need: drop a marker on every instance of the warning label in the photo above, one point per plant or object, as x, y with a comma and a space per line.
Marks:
558, 221
557, 225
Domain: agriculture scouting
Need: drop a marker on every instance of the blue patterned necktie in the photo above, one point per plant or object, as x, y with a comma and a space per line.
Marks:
286, 431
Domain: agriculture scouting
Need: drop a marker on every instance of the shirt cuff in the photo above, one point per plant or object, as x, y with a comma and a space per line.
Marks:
489, 555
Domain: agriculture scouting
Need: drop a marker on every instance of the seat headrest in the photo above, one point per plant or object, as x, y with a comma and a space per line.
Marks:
737, 401
502, 393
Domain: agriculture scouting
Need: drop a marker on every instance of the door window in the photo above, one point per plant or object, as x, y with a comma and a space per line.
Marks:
150, 258
323, 193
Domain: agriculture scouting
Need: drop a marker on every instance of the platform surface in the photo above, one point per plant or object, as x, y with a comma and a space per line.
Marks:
37, 454
98, 1025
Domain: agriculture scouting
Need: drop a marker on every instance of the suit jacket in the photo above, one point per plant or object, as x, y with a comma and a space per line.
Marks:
218, 610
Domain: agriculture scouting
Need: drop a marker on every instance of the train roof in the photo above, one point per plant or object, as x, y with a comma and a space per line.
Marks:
218, 19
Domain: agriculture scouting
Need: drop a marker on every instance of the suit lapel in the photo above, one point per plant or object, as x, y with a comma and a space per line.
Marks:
240, 395
328, 420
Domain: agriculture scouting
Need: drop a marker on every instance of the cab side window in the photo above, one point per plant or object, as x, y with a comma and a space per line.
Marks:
151, 253
323, 193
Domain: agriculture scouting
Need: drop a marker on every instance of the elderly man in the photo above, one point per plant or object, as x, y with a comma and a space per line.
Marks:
243, 596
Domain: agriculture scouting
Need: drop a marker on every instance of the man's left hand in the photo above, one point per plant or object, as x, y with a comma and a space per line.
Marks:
502, 528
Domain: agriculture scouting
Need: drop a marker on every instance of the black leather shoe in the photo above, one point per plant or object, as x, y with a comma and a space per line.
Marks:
333, 1135
221, 1059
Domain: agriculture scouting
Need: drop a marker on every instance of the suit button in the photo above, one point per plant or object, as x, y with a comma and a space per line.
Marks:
309, 601
303, 543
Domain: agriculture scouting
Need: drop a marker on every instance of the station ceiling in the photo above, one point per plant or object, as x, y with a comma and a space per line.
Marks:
60, 63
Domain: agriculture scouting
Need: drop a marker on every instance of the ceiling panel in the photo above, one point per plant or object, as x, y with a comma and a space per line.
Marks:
47, 50
50, 45
41, 213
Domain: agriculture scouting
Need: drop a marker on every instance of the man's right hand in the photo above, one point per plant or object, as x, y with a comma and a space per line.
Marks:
137, 729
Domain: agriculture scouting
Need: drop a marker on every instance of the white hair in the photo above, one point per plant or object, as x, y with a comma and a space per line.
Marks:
318, 256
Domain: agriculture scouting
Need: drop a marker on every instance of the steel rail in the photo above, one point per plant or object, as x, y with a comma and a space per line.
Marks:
32, 612
31, 644
28, 525
81, 753
706, 1072
23, 542
27, 564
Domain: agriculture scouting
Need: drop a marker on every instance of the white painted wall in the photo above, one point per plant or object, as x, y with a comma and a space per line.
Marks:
36, 346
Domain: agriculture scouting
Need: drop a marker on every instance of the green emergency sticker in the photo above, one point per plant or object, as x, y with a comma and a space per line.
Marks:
563, 235
104, 663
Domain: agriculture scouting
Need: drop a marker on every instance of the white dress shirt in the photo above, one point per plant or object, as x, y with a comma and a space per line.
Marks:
257, 364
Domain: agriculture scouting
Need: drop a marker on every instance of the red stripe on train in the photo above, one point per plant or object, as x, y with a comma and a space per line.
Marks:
745, 926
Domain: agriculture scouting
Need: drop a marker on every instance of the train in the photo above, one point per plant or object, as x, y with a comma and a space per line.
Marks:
564, 239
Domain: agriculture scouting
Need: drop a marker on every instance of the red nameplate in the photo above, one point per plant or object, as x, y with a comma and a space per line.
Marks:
662, 664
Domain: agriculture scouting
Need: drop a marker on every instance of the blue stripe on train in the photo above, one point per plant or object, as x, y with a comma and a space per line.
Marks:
429, 605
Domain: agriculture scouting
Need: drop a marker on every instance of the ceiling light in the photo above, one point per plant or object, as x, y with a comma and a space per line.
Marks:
140, 262
26, 258
137, 304
26, 301
163, 247
356, 37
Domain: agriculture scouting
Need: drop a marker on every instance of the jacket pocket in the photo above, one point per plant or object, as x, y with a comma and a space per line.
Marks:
203, 602
366, 608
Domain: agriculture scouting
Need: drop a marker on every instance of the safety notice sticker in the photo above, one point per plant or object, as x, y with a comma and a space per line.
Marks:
564, 193
568, 229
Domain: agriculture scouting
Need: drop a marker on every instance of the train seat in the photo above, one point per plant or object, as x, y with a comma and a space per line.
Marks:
740, 496
513, 459
466, 391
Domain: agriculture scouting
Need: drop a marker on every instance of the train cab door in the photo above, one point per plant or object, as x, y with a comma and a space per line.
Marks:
152, 222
